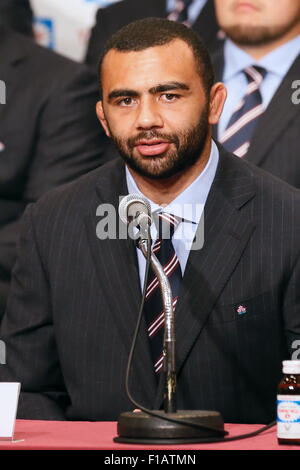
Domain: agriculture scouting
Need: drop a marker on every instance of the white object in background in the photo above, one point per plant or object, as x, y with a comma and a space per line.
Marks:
65, 26
9, 397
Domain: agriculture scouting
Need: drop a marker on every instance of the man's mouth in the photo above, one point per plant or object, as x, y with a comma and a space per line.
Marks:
246, 7
152, 147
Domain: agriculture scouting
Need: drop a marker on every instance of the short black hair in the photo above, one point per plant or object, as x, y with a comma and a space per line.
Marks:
150, 32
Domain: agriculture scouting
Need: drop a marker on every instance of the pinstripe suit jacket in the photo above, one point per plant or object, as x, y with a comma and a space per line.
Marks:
275, 144
74, 302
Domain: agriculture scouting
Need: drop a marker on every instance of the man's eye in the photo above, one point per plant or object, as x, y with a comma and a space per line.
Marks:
170, 97
125, 102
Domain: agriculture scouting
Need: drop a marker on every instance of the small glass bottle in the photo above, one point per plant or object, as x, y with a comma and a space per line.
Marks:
288, 404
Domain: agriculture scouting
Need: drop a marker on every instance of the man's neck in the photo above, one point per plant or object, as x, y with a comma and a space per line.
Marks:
163, 192
259, 51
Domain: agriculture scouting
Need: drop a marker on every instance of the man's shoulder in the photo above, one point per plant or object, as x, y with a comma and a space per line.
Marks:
80, 195
235, 173
41, 60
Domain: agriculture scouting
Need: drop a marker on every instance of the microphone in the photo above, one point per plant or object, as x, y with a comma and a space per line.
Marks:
136, 210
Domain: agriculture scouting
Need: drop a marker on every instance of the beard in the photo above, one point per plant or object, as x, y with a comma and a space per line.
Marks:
247, 35
189, 145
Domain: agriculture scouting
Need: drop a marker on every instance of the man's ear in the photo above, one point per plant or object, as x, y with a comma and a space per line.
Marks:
101, 117
218, 95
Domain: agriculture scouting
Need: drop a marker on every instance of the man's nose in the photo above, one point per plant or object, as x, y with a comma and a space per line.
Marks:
148, 115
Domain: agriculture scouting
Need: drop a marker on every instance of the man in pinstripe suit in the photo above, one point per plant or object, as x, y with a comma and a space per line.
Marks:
74, 298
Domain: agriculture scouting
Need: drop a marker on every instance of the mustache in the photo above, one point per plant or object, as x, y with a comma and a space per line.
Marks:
153, 134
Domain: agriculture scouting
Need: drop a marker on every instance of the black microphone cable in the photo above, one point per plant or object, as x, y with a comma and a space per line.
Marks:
164, 417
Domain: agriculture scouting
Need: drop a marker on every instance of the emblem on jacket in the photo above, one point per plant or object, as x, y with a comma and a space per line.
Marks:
241, 310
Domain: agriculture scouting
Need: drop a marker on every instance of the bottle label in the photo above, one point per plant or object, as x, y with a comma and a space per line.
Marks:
288, 416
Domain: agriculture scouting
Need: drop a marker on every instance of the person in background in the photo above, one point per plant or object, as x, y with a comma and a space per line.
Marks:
49, 133
198, 14
17, 15
259, 64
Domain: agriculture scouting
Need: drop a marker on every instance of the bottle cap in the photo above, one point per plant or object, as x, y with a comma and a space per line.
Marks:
291, 367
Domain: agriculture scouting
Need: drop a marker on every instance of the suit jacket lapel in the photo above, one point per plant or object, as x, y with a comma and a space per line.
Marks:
278, 115
117, 270
227, 232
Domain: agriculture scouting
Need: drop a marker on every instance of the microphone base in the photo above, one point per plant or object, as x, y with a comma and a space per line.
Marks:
141, 428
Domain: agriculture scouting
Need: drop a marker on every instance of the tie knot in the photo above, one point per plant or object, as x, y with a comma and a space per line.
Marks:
255, 74
166, 225
182, 4
180, 12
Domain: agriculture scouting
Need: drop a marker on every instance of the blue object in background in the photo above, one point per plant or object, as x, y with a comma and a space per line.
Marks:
44, 29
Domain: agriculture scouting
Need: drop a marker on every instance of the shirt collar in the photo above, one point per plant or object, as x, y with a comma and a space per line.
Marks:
278, 61
189, 204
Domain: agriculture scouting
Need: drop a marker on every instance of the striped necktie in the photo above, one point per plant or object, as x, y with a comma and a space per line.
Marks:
181, 12
153, 309
241, 126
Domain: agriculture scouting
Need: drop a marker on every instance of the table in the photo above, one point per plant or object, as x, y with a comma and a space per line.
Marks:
71, 435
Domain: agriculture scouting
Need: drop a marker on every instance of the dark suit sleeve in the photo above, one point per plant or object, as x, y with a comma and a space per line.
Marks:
70, 140
292, 312
8, 241
28, 332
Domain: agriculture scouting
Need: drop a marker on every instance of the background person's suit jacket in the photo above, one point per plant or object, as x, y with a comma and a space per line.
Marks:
17, 15
49, 132
75, 298
110, 19
275, 144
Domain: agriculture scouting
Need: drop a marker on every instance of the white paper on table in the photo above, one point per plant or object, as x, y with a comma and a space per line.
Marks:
9, 397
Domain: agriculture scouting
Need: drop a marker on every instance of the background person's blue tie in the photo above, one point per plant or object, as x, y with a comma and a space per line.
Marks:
153, 309
181, 11
241, 126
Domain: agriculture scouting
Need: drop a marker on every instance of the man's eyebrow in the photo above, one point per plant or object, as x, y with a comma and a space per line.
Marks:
122, 92
156, 89
168, 87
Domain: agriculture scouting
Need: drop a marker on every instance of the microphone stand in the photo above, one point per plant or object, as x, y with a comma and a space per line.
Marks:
169, 366
169, 426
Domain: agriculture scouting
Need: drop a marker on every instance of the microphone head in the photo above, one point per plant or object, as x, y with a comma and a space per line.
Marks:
131, 206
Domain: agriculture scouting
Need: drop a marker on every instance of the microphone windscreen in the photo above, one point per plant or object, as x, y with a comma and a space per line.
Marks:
131, 205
